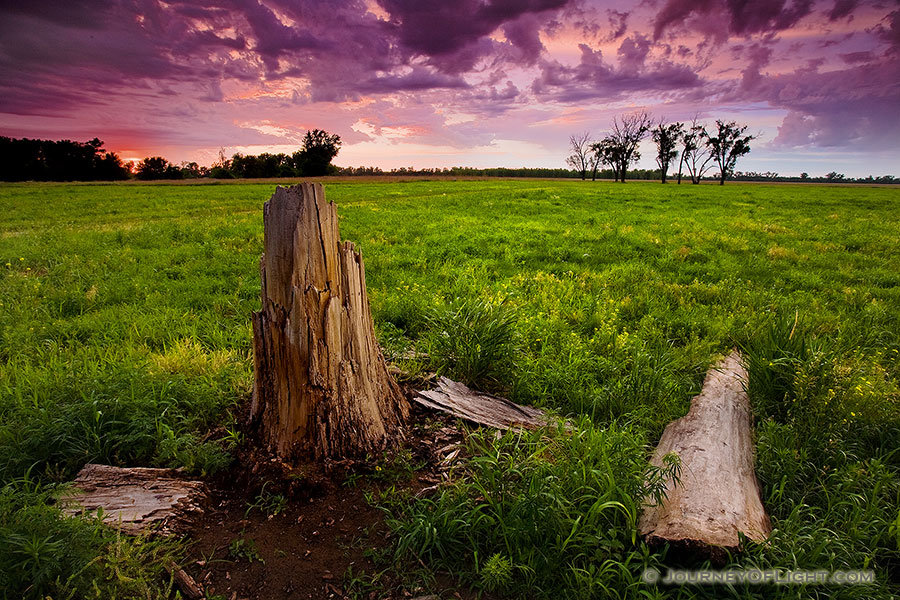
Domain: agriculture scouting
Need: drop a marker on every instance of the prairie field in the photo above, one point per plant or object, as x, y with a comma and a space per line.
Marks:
125, 338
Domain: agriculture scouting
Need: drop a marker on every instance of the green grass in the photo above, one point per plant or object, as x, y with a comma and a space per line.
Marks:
125, 338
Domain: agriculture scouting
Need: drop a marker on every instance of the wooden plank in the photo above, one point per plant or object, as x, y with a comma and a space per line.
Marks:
134, 499
717, 494
477, 407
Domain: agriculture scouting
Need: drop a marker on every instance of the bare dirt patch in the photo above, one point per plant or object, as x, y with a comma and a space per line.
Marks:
281, 531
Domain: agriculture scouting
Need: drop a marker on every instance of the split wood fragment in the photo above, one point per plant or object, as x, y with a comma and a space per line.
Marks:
717, 494
477, 407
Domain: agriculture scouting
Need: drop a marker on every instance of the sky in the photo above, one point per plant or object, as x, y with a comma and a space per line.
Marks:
426, 83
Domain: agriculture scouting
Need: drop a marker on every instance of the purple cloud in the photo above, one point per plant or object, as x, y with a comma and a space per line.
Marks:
595, 79
450, 74
841, 9
739, 17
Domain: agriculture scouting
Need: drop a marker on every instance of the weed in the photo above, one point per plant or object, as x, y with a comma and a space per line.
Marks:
189, 452
496, 573
267, 503
473, 340
545, 505
244, 549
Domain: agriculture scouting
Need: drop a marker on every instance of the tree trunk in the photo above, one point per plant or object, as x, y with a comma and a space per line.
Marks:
321, 383
717, 494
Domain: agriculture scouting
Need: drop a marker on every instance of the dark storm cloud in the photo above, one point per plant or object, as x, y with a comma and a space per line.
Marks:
890, 30
841, 9
524, 34
618, 23
340, 48
437, 27
738, 17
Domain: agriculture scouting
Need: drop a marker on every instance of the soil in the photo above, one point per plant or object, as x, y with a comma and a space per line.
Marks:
324, 528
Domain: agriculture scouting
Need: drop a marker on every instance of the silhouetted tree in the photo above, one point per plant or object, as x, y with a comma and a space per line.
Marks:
192, 170
667, 138
579, 159
627, 133
607, 152
695, 153
315, 156
64, 160
727, 146
264, 165
157, 167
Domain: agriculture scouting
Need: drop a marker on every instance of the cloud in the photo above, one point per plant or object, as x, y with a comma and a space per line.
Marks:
738, 17
841, 9
854, 107
447, 73
435, 27
595, 79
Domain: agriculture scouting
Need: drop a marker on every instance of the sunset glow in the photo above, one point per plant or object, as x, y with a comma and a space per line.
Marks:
470, 83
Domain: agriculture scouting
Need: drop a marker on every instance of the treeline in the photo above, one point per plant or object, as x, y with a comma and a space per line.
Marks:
64, 160
313, 159
696, 148
460, 172
832, 177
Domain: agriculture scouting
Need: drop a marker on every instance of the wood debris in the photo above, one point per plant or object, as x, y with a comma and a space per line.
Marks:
134, 499
717, 494
478, 407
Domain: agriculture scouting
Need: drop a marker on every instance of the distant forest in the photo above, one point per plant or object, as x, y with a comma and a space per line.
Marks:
66, 160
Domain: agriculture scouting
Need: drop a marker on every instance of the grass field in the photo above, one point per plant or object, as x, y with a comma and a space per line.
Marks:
125, 338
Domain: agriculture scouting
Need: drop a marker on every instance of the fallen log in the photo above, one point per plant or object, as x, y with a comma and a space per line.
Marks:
134, 499
477, 407
717, 493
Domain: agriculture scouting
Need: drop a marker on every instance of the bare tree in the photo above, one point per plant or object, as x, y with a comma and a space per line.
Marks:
580, 145
627, 133
595, 159
695, 153
667, 138
727, 146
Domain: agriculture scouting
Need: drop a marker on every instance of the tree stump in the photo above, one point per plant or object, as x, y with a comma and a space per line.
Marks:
321, 384
717, 495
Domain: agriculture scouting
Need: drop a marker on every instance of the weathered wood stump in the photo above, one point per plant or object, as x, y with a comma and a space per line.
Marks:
321, 385
134, 499
717, 494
